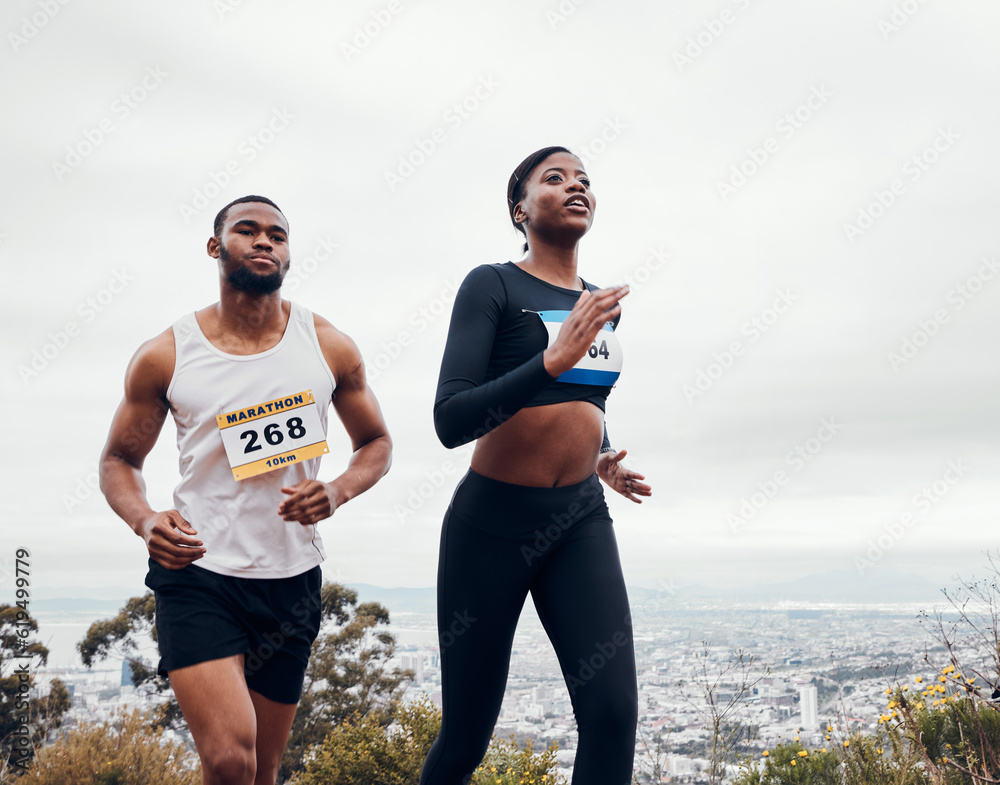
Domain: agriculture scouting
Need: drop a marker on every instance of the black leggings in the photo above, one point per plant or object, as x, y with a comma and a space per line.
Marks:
500, 542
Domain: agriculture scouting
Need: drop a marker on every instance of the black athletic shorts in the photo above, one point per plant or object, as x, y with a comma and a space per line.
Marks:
202, 615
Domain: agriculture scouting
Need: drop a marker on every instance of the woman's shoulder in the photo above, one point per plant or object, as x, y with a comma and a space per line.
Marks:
484, 280
488, 272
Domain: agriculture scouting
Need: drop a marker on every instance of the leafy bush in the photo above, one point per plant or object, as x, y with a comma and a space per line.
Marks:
791, 764
361, 751
507, 763
122, 750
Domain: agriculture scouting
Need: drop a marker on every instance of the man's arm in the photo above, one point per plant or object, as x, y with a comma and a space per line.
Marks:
134, 430
311, 501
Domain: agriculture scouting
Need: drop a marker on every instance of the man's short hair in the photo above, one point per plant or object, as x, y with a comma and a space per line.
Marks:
220, 219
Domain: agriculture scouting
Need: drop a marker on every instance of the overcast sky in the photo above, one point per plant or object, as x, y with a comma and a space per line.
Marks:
802, 195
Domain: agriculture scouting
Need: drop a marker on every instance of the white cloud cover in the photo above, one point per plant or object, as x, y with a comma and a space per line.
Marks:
802, 194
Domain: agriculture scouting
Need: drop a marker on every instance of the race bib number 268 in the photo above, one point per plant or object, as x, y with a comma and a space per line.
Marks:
272, 435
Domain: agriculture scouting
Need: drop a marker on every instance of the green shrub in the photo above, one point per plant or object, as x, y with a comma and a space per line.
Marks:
361, 751
792, 764
507, 763
119, 751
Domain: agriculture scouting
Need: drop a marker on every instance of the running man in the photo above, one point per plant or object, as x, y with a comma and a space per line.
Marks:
235, 566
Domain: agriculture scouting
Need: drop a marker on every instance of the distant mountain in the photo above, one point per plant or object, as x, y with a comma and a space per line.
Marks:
848, 586
876, 586
400, 600
76, 606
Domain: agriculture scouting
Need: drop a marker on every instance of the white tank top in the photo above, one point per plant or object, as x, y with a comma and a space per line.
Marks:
238, 520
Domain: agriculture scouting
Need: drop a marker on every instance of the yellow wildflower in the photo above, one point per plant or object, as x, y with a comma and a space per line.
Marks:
803, 754
766, 753
793, 763
919, 679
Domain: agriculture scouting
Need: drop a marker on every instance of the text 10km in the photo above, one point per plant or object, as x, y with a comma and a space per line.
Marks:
273, 435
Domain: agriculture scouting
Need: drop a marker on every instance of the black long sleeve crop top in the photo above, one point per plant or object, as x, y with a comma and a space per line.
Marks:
492, 365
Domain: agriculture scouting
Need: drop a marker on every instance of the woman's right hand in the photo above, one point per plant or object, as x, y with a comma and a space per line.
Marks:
591, 312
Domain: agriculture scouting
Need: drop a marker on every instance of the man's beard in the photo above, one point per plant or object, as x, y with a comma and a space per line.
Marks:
244, 279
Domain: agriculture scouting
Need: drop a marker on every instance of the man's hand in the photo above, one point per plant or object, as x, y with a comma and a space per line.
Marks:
617, 477
166, 539
309, 501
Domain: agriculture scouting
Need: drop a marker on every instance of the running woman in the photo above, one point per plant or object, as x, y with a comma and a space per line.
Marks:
235, 565
530, 359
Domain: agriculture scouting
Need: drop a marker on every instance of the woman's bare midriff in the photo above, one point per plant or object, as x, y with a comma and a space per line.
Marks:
543, 446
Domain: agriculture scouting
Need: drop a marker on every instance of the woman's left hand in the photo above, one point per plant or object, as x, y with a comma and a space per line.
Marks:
617, 477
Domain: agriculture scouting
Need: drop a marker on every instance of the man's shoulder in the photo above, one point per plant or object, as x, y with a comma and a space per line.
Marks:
340, 351
327, 332
153, 362
159, 347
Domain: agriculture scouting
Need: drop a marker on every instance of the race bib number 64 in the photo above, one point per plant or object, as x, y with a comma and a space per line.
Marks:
272, 435
601, 365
